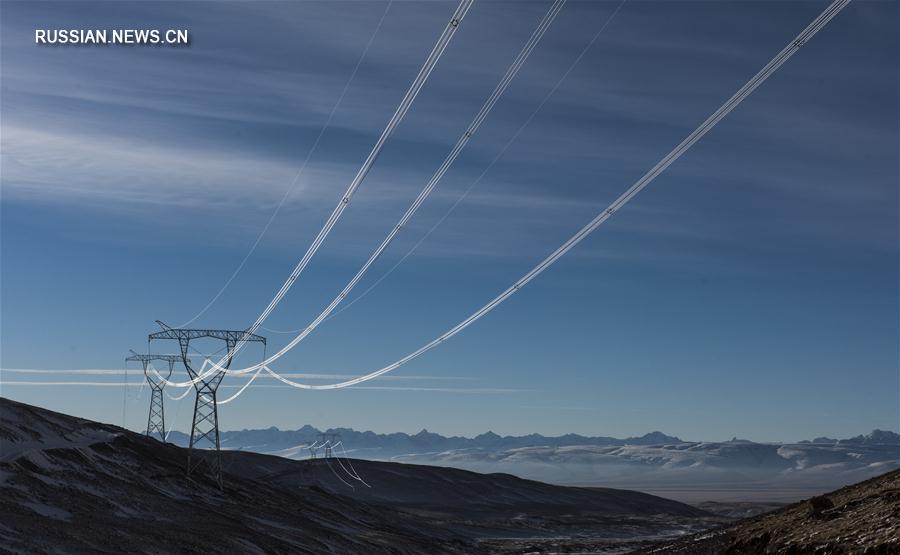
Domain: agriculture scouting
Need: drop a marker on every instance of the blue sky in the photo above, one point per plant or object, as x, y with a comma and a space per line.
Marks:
751, 290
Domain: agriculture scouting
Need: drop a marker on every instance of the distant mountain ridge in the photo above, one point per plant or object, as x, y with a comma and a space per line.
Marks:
653, 462
274, 438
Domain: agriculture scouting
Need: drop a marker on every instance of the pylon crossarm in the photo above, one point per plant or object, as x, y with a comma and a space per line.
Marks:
205, 424
145, 359
233, 336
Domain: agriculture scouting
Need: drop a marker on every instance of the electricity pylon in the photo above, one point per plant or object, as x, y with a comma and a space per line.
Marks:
156, 421
329, 440
205, 425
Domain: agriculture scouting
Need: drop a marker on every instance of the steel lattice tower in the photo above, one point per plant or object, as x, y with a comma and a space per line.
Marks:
205, 425
329, 440
156, 421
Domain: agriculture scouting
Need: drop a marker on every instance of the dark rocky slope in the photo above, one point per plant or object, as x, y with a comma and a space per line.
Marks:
863, 518
77, 486
445, 489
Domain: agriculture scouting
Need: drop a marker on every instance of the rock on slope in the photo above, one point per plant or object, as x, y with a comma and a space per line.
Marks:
863, 518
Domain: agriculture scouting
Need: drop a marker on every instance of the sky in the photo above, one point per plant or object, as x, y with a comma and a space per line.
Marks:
750, 291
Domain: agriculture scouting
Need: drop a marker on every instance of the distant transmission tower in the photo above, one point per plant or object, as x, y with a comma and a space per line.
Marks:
156, 421
328, 441
205, 425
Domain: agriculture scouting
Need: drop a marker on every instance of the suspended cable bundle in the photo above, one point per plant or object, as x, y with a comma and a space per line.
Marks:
833, 9
293, 183
826, 16
483, 173
401, 111
338, 476
451, 157
354, 474
363, 171
448, 161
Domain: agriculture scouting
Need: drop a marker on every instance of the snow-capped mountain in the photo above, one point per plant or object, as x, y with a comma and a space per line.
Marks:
387, 446
652, 461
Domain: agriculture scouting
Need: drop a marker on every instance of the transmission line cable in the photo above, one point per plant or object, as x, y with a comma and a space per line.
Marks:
478, 179
833, 9
241, 390
354, 474
402, 109
300, 172
405, 104
350, 474
451, 157
774, 64
338, 476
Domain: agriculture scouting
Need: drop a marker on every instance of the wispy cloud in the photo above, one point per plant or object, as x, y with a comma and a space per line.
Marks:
65, 142
461, 390
558, 408
80, 371
477, 390
76, 384
292, 375
58, 165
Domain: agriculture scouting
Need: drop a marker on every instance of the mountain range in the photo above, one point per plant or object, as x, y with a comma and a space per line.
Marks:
653, 462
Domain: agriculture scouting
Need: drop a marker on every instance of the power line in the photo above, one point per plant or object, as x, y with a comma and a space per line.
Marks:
354, 474
451, 157
156, 421
478, 179
402, 109
448, 161
294, 181
833, 9
205, 423
336, 475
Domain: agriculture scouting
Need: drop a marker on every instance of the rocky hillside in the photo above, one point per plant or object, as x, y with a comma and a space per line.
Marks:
863, 518
449, 489
76, 486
